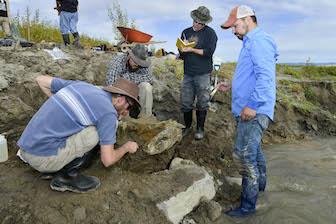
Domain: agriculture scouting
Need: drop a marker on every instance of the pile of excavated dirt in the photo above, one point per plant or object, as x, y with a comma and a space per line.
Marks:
128, 190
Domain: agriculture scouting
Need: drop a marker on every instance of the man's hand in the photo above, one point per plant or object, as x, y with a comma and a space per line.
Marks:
131, 147
247, 114
45, 82
186, 49
224, 86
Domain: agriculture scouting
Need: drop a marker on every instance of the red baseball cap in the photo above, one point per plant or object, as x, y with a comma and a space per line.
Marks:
237, 13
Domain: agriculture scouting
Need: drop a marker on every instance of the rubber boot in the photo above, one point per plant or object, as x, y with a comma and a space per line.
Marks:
201, 115
66, 39
70, 179
88, 160
249, 198
188, 123
77, 42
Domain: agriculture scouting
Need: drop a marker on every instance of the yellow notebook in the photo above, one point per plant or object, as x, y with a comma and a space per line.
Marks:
179, 42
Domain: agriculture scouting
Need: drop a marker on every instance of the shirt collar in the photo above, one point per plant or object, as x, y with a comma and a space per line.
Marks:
250, 34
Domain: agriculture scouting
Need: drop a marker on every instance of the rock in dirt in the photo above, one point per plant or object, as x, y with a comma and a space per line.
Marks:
180, 204
154, 136
79, 214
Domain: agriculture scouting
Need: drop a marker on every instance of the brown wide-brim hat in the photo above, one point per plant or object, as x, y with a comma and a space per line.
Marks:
125, 87
139, 55
201, 15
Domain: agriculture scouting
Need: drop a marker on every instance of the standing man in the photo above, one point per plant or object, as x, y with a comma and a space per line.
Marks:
60, 138
253, 101
197, 69
68, 12
5, 22
134, 66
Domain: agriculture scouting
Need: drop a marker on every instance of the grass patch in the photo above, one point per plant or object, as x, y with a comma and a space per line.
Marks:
309, 91
285, 82
293, 72
158, 70
297, 88
47, 30
176, 67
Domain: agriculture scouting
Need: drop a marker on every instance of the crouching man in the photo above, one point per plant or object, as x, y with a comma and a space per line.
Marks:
134, 66
61, 136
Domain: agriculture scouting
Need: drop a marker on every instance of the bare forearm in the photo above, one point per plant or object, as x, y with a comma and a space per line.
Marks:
197, 51
110, 156
44, 83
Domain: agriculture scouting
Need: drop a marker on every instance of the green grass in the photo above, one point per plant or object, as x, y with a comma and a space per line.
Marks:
309, 92
296, 88
47, 30
285, 82
293, 72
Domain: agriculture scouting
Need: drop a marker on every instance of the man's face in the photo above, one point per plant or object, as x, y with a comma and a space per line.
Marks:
123, 106
240, 29
132, 66
198, 26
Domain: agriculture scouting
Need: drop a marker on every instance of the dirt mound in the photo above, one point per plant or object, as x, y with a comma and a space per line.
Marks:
27, 199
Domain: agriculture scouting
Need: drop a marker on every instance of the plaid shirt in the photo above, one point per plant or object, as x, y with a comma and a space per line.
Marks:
118, 68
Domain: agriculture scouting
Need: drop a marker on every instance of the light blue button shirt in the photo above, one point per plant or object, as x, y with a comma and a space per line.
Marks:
253, 84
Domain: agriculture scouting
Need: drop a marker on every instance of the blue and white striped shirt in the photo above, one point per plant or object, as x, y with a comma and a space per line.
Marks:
75, 106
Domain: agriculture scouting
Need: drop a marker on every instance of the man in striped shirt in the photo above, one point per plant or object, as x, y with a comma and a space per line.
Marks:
61, 136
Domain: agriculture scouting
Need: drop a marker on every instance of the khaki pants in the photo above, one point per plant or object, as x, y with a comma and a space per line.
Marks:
4, 22
146, 98
76, 146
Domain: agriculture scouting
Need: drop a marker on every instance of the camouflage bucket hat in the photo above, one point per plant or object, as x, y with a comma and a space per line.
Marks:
201, 15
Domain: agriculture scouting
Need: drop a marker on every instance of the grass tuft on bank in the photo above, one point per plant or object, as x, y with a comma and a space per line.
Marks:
47, 30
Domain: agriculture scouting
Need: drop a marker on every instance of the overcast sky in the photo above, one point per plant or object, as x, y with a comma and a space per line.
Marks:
300, 28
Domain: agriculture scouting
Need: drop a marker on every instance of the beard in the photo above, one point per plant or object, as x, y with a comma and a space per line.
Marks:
130, 69
240, 36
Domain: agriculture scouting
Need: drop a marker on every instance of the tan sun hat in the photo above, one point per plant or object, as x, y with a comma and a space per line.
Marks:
237, 13
125, 87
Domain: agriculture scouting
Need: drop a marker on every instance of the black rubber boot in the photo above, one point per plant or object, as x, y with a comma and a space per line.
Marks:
201, 115
88, 159
66, 39
188, 123
77, 42
70, 179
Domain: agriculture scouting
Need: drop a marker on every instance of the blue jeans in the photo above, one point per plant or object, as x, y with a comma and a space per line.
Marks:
247, 154
195, 86
68, 22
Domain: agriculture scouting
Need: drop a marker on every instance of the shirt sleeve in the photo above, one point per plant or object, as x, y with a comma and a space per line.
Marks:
264, 55
107, 128
57, 84
211, 44
144, 75
113, 72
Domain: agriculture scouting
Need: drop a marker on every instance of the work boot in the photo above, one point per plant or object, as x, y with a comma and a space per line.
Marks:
66, 39
70, 179
89, 155
249, 198
77, 42
200, 124
188, 123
